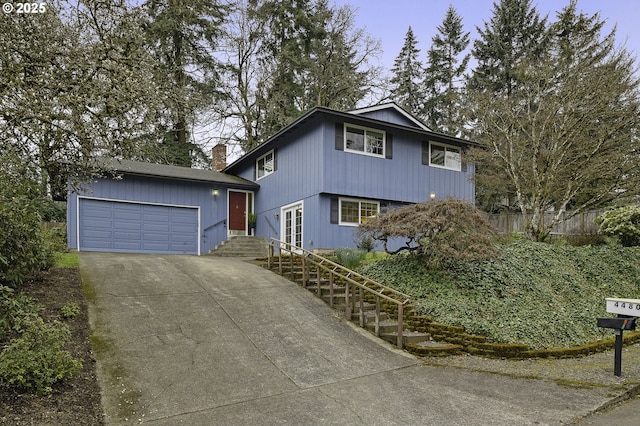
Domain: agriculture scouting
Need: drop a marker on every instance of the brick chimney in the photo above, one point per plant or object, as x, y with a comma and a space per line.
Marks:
219, 157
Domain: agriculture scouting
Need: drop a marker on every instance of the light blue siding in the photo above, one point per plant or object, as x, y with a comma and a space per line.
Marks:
402, 178
389, 115
168, 192
298, 176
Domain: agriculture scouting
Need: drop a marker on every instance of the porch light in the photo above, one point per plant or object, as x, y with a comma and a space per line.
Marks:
215, 192
432, 196
276, 215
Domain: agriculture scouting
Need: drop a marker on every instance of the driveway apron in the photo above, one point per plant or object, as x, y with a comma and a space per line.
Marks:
203, 340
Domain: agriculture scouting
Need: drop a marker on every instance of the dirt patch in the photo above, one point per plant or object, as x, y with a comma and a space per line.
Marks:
75, 401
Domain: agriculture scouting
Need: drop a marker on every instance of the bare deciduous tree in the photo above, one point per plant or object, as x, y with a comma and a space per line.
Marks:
565, 137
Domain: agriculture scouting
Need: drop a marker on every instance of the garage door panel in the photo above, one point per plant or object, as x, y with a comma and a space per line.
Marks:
134, 227
96, 233
182, 239
96, 213
128, 216
130, 226
156, 218
157, 227
154, 236
133, 236
95, 222
127, 246
184, 228
182, 218
98, 244
180, 246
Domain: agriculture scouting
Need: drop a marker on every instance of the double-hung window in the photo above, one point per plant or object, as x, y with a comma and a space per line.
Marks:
353, 212
265, 165
364, 141
445, 156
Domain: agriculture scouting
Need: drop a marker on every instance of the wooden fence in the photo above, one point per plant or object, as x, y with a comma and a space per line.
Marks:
580, 224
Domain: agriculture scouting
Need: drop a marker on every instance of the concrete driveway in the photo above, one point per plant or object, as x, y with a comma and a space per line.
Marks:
202, 340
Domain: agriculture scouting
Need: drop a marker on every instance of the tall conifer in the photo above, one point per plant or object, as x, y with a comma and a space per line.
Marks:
515, 33
407, 76
444, 75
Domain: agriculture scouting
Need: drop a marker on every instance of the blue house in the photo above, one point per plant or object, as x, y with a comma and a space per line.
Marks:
324, 174
311, 184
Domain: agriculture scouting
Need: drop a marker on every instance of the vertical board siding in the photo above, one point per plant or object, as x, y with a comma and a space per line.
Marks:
402, 178
311, 168
160, 191
299, 171
389, 115
331, 236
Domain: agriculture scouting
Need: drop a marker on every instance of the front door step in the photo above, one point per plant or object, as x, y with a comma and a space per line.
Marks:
255, 247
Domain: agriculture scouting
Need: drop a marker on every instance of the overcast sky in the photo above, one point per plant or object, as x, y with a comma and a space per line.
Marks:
388, 20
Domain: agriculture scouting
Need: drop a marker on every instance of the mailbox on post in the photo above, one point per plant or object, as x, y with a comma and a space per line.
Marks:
617, 323
628, 311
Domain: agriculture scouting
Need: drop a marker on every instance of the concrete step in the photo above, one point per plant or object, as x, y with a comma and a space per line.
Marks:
407, 337
387, 326
433, 348
240, 246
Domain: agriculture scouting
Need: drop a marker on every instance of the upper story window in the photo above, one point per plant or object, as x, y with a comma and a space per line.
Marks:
364, 141
446, 156
265, 165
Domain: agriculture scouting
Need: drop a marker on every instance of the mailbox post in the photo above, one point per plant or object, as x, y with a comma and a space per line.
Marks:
628, 311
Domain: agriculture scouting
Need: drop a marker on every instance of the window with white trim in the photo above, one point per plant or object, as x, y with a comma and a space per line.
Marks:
364, 141
353, 212
445, 156
265, 165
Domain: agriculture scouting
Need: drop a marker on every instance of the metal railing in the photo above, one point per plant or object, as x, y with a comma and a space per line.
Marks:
337, 275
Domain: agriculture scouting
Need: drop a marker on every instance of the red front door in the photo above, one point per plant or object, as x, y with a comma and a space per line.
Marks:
237, 211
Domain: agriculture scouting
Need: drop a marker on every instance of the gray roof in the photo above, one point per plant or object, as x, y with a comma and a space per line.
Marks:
176, 172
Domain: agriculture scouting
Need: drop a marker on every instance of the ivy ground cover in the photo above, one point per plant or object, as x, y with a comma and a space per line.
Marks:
542, 295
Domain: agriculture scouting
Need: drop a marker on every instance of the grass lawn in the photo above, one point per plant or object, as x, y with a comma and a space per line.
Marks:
67, 260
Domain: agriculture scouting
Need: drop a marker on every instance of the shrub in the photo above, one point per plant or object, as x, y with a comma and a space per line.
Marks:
623, 223
33, 355
36, 360
14, 307
70, 310
23, 250
350, 258
366, 244
439, 231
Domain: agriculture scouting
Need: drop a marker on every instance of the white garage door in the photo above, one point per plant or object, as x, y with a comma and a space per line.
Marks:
136, 228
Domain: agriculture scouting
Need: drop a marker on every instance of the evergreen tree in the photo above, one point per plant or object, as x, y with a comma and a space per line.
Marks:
444, 74
407, 76
183, 36
515, 33
286, 57
338, 74
290, 29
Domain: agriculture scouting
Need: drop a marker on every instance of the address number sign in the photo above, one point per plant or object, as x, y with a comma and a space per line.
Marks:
629, 307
